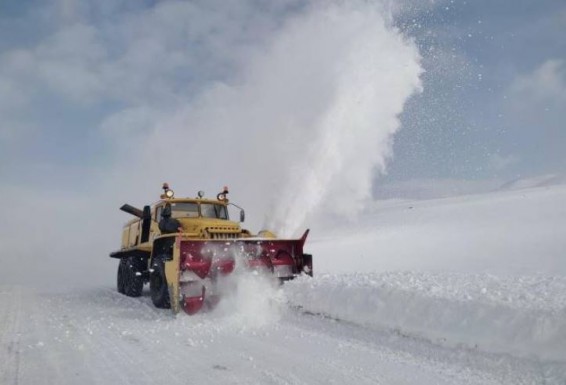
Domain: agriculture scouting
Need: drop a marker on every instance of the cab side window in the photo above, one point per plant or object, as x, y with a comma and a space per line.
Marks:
158, 213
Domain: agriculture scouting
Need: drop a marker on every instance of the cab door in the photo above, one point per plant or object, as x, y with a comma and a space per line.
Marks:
156, 217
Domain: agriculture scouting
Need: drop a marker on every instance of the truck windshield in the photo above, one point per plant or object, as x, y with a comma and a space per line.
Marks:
211, 210
191, 210
184, 210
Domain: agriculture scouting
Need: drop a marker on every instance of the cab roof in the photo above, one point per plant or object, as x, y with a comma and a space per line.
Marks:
190, 200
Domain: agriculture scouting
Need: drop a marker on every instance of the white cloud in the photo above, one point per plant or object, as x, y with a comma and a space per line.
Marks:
535, 106
150, 55
546, 84
13, 66
501, 162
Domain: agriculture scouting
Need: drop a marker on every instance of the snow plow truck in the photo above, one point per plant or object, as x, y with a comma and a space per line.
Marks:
185, 247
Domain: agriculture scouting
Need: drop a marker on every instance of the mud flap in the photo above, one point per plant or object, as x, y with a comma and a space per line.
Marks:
172, 273
307, 262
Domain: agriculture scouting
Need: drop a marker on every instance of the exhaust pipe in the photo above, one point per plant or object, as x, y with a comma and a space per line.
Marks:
132, 210
144, 215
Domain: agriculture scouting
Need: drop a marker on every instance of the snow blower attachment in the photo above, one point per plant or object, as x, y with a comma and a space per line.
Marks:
185, 247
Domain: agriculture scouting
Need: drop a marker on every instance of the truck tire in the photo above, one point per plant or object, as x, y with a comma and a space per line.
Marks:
158, 285
132, 277
120, 277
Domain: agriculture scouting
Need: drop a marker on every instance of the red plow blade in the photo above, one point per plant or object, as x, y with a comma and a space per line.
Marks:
204, 262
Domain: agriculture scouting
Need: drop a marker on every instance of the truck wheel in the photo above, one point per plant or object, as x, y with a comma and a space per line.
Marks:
120, 277
158, 285
133, 280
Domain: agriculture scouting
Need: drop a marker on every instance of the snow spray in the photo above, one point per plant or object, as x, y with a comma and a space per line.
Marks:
250, 298
372, 70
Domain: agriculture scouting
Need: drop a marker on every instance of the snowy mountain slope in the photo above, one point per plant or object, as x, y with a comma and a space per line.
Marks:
539, 181
505, 232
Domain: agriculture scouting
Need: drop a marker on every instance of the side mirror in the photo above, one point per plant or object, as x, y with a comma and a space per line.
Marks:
242, 216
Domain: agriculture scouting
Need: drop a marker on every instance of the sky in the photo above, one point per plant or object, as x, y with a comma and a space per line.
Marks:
494, 92
494, 81
299, 106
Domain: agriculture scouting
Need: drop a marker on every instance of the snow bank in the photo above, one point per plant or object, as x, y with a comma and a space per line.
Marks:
522, 316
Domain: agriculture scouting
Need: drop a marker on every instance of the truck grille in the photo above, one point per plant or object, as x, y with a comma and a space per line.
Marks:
224, 235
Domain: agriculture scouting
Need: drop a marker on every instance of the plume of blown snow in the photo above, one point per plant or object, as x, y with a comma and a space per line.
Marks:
250, 299
370, 70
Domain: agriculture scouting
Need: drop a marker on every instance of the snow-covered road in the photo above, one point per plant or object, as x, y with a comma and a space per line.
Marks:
97, 336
